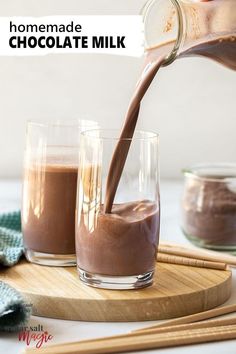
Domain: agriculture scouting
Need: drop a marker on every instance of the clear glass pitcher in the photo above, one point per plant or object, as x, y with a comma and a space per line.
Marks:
192, 27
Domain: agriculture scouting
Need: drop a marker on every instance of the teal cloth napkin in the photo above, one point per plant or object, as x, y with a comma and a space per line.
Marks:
11, 242
14, 311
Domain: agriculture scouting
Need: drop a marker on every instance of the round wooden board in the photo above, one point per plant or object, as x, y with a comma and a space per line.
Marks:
177, 291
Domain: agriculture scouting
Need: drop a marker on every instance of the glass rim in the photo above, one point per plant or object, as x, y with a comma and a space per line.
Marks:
60, 122
148, 135
179, 38
220, 169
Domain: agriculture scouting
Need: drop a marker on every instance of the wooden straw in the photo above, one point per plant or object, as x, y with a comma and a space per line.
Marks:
204, 251
200, 324
224, 310
142, 342
189, 326
205, 255
170, 258
176, 328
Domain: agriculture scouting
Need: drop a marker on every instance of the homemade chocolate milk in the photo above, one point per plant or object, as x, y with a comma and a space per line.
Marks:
48, 216
123, 243
125, 238
50, 189
209, 211
223, 50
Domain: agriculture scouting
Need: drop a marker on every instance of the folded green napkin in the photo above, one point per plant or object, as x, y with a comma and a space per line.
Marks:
11, 243
14, 312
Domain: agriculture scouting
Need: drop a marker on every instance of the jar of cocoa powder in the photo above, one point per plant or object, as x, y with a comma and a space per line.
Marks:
209, 206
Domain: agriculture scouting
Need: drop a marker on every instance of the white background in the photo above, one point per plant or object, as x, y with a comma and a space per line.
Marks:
191, 103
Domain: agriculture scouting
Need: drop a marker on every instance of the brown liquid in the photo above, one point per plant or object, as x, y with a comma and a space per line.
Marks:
222, 50
48, 217
122, 240
209, 212
119, 244
122, 148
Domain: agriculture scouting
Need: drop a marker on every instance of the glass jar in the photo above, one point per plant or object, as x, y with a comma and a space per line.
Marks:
191, 28
209, 206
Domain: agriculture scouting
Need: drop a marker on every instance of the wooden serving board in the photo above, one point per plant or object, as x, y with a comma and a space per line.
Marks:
177, 291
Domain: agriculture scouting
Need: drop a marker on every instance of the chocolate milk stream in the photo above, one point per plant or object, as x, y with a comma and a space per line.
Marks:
222, 50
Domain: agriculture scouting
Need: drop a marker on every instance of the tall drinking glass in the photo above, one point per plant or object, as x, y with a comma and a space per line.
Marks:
49, 191
117, 250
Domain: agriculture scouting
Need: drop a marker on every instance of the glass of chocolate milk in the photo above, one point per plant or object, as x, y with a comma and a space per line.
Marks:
116, 244
49, 191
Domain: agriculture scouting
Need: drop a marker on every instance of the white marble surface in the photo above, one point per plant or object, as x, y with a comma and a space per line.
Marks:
74, 330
